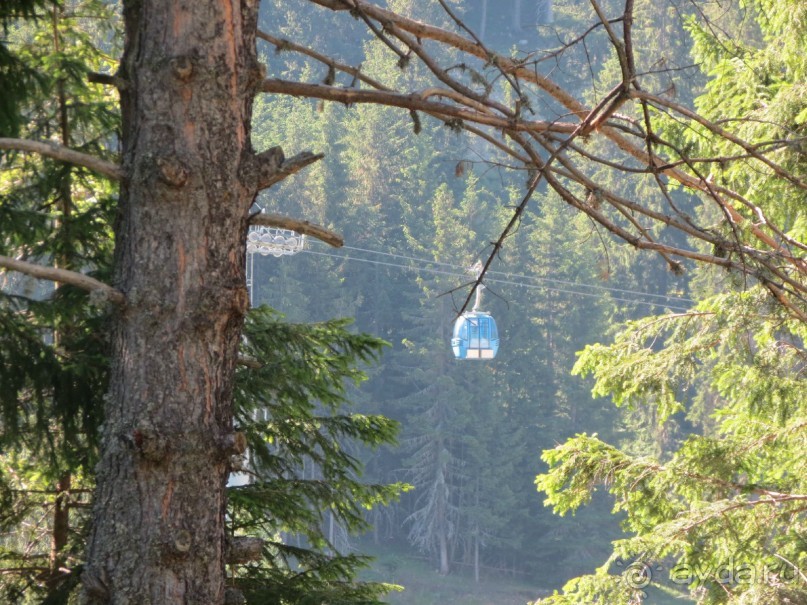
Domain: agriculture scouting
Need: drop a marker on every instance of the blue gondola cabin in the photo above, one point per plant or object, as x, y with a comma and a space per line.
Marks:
475, 336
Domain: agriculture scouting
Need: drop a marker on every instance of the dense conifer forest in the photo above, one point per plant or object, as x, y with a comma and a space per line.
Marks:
416, 212
638, 437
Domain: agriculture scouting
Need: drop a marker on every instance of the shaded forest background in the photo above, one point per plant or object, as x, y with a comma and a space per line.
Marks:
416, 211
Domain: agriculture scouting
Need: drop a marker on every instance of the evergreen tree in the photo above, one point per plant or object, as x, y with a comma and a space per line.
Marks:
20, 80
718, 514
292, 409
439, 404
53, 372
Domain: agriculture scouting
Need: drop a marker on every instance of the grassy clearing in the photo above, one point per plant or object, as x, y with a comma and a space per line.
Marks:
424, 586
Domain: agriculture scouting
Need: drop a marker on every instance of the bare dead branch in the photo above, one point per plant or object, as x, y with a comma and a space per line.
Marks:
618, 44
457, 87
471, 47
508, 65
581, 38
350, 96
303, 227
454, 96
283, 44
461, 24
721, 132
287, 167
64, 154
85, 282
772, 261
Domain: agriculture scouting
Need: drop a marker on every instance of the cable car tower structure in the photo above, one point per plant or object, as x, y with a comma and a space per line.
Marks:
266, 241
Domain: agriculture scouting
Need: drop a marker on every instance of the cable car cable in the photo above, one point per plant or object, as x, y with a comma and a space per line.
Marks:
505, 282
531, 277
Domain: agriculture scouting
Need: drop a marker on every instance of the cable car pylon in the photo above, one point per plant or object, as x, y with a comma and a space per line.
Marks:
475, 335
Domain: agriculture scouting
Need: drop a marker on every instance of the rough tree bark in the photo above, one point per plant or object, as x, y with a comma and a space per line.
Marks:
189, 178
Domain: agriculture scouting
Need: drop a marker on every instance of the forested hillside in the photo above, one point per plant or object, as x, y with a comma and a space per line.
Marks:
419, 202
416, 211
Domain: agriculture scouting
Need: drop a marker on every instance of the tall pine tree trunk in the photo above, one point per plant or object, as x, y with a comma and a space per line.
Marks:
190, 73
60, 532
61, 506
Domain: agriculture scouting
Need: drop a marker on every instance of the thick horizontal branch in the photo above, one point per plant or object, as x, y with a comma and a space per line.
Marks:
456, 97
65, 154
303, 227
85, 282
413, 101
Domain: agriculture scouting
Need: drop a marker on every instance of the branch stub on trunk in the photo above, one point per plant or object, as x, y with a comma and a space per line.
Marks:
172, 171
182, 68
242, 549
